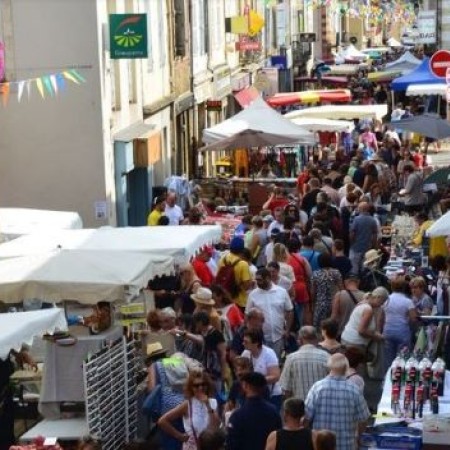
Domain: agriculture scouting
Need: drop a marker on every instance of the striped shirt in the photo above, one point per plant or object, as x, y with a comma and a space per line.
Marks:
302, 369
336, 404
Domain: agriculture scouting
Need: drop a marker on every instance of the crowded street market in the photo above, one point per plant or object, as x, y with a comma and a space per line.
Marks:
282, 283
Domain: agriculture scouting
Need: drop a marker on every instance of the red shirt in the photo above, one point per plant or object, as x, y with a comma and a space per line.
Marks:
235, 317
203, 272
277, 203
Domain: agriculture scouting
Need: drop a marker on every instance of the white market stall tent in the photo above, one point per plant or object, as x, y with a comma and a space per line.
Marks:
441, 227
406, 62
258, 116
340, 112
86, 276
20, 328
15, 222
180, 243
314, 125
426, 89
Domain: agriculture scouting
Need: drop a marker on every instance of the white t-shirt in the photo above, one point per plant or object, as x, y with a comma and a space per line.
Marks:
350, 333
266, 359
273, 302
200, 416
175, 214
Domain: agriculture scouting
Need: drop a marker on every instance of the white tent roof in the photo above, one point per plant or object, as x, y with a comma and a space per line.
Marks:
87, 276
21, 327
392, 42
343, 69
345, 112
352, 52
257, 116
16, 222
181, 243
314, 124
406, 60
441, 227
427, 89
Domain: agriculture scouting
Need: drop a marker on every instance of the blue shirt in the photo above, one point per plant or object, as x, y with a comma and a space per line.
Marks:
312, 256
365, 229
250, 425
338, 405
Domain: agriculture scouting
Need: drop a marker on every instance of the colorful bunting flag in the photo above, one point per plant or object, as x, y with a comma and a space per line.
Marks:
47, 84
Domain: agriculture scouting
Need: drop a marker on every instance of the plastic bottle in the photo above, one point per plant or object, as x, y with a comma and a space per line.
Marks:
426, 375
407, 402
438, 369
411, 372
395, 399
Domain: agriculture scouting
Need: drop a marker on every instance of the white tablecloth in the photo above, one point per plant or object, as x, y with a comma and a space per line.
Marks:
63, 370
63, 429
20, 328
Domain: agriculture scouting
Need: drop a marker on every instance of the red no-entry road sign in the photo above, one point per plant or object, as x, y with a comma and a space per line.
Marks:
440, 62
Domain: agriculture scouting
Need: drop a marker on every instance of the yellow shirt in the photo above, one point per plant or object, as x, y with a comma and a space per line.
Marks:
153, 218
437, 245
241, 275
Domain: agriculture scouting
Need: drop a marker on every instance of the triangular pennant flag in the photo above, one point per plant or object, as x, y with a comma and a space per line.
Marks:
48, 85
54, 84
40, 87
61, 81
20, 90
78, 76
70, 77
4, 91
28, 82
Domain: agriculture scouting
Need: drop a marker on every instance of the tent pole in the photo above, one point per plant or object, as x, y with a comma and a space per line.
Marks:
393, 100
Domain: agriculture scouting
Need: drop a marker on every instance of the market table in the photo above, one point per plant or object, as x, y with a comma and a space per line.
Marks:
63, 429
62, 379
431, 440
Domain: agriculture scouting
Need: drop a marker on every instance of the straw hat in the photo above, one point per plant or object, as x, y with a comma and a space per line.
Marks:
203, 297
371, 256
155, 349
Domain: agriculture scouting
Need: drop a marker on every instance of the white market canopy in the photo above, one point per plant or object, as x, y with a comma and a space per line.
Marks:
406, 63
314, 124
343, 69
392, 42
180, 243
351, 52
441, 227
258, 116
20, 328
87, 276
340, 112
426, 89
15, 222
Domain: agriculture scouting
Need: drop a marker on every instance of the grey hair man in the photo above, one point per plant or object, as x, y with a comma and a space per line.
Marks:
337, 404
305, 366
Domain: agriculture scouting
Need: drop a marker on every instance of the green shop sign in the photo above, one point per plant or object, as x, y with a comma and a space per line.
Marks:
128, 36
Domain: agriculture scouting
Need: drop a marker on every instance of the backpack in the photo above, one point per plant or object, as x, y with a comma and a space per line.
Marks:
226, 278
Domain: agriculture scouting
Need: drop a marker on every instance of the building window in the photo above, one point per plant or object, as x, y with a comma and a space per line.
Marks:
180, 28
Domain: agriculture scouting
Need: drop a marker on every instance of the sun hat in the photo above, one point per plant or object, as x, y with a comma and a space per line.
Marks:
237, 244
155, 348
371, 256
203, 296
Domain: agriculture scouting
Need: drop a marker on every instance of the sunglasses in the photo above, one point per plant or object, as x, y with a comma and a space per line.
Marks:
199, 385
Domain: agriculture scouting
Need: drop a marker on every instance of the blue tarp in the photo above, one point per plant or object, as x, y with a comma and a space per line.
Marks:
421, 75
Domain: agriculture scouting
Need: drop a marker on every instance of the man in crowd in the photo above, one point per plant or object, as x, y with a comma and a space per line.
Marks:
250, 425
242, 275
172, 210
305, 366
413, 191
159, 206
344, 301
254, 320
277, 308
337, 404
363, 236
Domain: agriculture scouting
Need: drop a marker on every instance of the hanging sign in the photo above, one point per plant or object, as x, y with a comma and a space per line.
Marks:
128, 36
426, 24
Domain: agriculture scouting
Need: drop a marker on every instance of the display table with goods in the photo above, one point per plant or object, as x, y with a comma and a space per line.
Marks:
63, 429
414, 411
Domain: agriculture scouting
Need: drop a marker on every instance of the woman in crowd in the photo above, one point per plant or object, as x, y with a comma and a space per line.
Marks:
293, 435
256, 240
281, 255
265, 361
329, 330
198, 411
190, 348
204, 301
302, 283
189, 285
422, 301
236, 396
325, 283
370, 178
228, 310
400, 314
